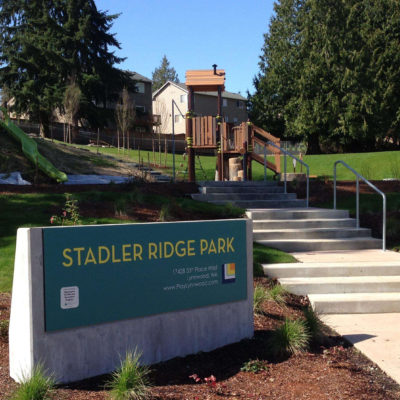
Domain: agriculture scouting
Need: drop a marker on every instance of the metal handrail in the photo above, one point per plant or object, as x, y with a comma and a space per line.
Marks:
285, 152
359, 176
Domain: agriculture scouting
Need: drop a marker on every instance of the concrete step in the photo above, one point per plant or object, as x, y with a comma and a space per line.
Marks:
304, 270
263, 203
242, 196
310, 233
300, 213
353, 303
353, 284
237, 184
304, 223
238, 189
298, 245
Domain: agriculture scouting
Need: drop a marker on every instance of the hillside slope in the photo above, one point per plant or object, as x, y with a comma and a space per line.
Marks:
68, 159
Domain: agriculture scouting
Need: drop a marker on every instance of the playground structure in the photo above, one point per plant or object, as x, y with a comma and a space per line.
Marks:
212, 132
30, 149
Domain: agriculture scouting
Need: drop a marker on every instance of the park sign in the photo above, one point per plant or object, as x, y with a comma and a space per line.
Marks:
99, 274
83, 296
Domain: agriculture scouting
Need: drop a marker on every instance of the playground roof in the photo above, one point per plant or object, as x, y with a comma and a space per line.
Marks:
205, 80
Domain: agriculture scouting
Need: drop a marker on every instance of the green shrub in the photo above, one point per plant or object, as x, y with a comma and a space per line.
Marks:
291, 337
165, 213
313, 323
255, 366
258, 271
37, 387
259, 297
131, 381
4, 325
278, 294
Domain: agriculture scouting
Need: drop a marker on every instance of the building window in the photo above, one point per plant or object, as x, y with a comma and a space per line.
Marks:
226, 119
183, 98
140, 129
235, 120
139, 87
141, 108
224, 103
176, 118
239, 104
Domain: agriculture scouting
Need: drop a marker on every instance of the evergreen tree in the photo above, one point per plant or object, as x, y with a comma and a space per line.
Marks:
45, 44
89, 61
279, 63
30, 57
331, 69
163, 74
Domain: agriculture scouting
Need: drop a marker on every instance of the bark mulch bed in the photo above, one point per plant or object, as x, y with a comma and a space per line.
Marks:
331, 369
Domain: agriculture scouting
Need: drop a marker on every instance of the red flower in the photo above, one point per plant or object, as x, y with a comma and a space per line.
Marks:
51, 220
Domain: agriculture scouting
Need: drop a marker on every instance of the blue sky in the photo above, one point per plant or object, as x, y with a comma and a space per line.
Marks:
193, 34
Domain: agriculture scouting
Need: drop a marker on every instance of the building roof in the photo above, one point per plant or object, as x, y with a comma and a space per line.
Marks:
225, 95
137, 77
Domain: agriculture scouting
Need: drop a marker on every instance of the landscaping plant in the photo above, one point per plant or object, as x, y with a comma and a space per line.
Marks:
37, 387
277, 293
291, 337
313, 323
131, 381
255, 366
70, 214
259, 297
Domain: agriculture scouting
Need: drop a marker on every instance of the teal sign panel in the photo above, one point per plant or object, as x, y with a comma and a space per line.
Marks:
97, 274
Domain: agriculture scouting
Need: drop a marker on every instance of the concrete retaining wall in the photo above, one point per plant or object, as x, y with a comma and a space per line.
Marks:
79, 353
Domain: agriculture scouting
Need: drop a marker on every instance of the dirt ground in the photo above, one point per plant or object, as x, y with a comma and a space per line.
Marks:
330, 370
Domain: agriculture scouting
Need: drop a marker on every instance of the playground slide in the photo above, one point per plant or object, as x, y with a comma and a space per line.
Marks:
29, 148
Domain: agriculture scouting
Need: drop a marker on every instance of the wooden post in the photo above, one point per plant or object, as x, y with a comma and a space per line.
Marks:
189, 138
218, 135
245, 161
250, 150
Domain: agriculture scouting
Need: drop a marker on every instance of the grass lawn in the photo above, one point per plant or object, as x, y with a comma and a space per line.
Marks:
29, 210
267, 255
374, 166
23, 211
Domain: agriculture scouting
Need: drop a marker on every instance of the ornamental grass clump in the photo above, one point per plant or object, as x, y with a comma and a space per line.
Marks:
277, 293
292, 337
131, 381
37, 387
313, 323
259, 297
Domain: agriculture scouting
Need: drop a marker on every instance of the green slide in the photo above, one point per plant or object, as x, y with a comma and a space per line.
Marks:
29, 148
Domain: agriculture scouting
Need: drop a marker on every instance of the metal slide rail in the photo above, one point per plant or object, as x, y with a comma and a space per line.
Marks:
358, 177
287, 153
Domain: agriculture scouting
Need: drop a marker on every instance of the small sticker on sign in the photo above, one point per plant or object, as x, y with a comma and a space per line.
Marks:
69, 297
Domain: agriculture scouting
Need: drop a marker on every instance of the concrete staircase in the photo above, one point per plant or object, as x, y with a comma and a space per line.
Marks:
343, 287
309, 229
361, 283
281, 220
248, 195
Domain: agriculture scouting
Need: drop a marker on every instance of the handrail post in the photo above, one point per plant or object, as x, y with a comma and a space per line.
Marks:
284, 172
358, 177
265, 163
334, 186
384, 225
308, 186
357, 202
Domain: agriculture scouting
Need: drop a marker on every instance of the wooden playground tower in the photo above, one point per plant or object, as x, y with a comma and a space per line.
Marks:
212, 132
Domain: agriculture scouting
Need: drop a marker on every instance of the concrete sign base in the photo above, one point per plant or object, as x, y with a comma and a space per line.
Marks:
83, 352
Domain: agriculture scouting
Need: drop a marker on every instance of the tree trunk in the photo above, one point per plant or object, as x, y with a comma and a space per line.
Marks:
75, 129
43, 125
313, 144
